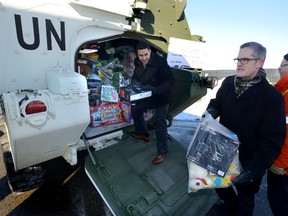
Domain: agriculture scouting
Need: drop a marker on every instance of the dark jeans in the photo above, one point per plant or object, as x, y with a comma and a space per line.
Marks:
243, 200
160, 118
278, 193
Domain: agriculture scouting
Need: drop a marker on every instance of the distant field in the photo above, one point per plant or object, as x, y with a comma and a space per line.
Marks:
272, 74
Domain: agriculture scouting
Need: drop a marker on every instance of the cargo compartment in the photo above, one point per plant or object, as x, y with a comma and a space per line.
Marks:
109, 64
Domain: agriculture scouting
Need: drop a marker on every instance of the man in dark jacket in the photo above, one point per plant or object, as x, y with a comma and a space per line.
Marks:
153, 73
253, 109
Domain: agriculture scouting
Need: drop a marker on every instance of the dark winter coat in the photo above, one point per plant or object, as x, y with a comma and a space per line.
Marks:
157, 76
257, 117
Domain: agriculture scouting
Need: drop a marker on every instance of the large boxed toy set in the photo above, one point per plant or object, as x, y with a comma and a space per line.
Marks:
212, 156
133, 93
106, 114
108, 71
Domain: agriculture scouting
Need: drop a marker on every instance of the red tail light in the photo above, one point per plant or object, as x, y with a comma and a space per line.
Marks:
35, 107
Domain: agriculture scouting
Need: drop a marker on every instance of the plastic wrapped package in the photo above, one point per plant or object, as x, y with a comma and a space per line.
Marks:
213, 147
201, 178
212, 156
112, 73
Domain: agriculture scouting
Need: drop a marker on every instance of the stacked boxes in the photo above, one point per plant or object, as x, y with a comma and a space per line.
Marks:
108, 73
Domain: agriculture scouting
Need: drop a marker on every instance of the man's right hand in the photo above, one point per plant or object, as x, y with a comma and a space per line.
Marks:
243, 179
150, 88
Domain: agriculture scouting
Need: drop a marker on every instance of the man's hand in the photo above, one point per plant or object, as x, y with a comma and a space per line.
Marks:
277, 170
150, 88
205, 115
244, 178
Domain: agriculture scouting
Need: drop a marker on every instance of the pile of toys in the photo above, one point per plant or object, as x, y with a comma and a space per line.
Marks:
107, 71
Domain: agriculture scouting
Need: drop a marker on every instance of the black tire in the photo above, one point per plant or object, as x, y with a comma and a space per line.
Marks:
21, 180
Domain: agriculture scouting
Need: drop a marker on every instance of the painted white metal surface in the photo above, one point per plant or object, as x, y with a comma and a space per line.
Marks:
38, 35
65, 120
39, 38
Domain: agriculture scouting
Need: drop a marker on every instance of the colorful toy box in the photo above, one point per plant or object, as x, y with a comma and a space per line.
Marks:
109, 93
126, 109
106, 114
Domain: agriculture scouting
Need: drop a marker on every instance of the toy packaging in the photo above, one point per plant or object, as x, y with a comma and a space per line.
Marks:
133, 93
213, 147
109, 93
126, 108
106, 114
200, 178
212, 156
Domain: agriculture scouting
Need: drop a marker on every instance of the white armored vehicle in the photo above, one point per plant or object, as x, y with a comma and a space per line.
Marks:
55, 58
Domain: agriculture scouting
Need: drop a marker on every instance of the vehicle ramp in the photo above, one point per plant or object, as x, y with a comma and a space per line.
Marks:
131, 185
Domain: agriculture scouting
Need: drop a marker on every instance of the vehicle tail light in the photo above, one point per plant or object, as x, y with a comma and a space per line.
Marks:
35, 107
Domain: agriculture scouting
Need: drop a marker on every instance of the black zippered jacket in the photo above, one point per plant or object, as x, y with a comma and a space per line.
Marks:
257, 117
158, 75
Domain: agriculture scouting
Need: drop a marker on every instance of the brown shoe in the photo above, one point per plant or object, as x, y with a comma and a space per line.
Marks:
159, 158
141, 136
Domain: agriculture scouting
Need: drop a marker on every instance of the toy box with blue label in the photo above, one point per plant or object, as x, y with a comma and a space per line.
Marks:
109, 93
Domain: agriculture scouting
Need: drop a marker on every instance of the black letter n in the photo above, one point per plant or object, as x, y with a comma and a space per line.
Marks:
51, 30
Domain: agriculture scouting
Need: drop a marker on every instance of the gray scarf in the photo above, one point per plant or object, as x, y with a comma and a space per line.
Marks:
242, 85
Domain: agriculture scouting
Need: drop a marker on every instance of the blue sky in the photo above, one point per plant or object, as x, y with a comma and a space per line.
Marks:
227, 24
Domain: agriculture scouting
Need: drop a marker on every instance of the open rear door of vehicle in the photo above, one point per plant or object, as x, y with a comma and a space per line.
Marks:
131, 185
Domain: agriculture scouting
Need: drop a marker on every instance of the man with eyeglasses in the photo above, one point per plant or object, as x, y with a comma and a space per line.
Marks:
253, 109
277, 176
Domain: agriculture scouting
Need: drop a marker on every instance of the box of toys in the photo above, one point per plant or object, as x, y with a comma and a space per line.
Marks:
109, 93
126, 109
106, 114
133, 93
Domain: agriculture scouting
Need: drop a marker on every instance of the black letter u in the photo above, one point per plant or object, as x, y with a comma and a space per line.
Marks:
20, 37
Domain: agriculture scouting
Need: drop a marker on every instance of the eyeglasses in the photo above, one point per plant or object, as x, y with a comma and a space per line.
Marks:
244, 60
283, 65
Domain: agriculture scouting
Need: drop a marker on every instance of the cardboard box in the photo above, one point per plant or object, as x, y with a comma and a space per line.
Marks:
133, 93
106, 114
200, 178
126, 109
109, 93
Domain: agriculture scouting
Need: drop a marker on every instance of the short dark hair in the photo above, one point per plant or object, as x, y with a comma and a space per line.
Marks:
286, 57
142, 45
259, 51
